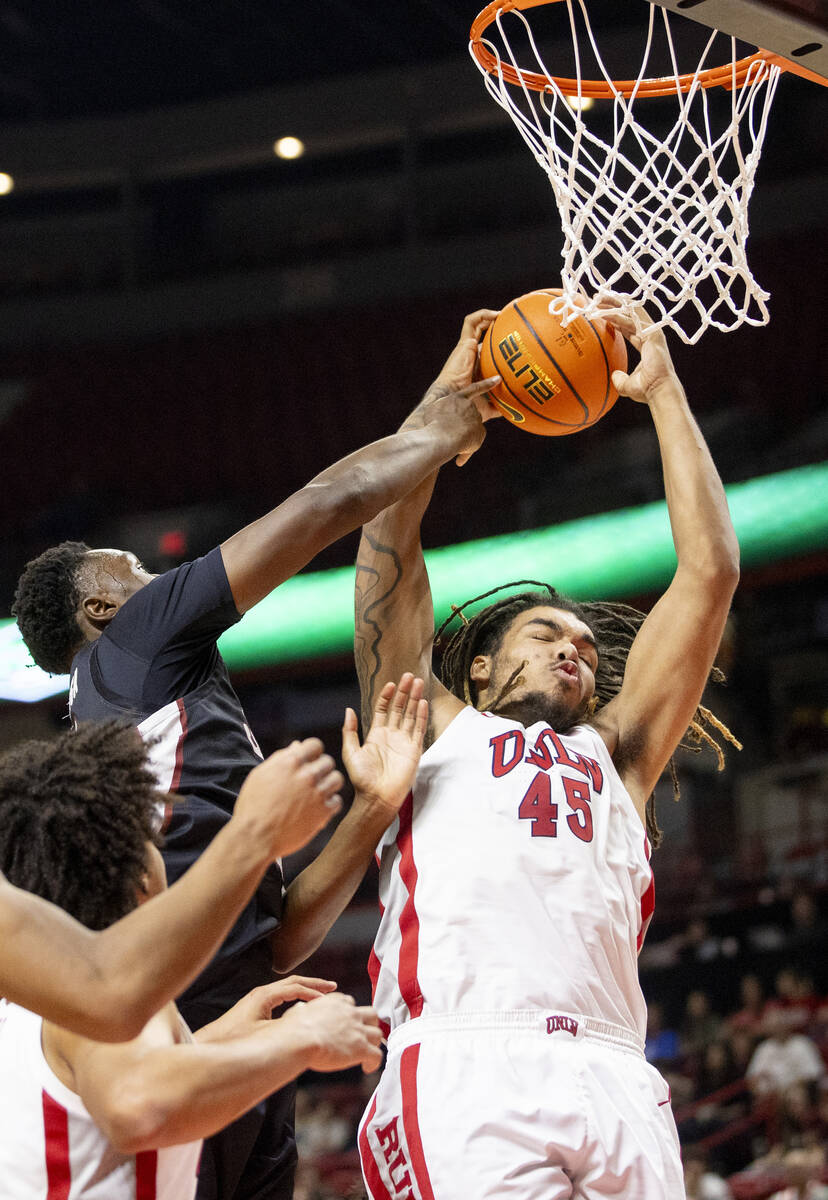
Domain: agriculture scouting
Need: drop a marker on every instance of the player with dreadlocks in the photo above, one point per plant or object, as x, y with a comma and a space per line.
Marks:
516, 886
614, 626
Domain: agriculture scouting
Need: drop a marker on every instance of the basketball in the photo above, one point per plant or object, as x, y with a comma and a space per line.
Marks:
554, 380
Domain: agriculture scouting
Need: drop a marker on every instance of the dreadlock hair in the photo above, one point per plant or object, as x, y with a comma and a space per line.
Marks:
75, 818
614, 627
46, 604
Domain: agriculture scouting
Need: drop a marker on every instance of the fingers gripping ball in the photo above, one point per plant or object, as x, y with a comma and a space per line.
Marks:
554, 379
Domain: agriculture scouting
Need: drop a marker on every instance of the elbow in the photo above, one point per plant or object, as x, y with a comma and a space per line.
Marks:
286, 957
725, 573
125, 1011
718, 571
361, 498
134, 1120
116, 1014
289, 952
337, 508
106, 1028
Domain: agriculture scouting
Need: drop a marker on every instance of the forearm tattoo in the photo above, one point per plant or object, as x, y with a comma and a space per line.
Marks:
373, 589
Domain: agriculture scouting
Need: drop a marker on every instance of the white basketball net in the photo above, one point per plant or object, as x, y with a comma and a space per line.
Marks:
653, 221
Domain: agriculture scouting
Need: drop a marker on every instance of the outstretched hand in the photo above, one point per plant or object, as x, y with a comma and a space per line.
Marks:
460, 366
339, 1033
455, 394
655, 367
383, 768
290, 796
257, 1007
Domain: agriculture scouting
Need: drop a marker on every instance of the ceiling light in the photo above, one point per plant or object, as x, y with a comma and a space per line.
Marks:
580, 103
289, 147
6, 183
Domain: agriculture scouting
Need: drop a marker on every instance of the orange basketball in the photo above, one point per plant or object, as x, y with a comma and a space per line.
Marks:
554, 380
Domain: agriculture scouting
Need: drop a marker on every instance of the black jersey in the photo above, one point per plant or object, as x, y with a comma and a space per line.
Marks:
157, 664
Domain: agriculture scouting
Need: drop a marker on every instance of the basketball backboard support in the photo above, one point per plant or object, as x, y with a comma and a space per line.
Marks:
796, 29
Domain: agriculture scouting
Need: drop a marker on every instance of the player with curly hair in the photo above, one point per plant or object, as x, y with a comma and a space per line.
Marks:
82, 1118
108, 984
516, 886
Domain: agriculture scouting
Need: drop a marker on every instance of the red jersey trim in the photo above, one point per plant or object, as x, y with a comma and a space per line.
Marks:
374, 968
179, 749
146, 1174
56, 1132
647, 901
409, 984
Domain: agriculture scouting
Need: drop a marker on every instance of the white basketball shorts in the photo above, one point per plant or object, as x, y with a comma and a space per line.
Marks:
520, 1104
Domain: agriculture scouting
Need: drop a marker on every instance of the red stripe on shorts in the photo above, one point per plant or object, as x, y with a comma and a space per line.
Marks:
56, 1130
409, 921
370, 1170
179, 749
647, 900
408, 1085
146, 1171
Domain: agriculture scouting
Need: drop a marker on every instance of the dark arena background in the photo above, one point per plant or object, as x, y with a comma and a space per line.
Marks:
191, 327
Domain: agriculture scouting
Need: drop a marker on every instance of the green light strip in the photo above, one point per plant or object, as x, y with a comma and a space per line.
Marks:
612, 555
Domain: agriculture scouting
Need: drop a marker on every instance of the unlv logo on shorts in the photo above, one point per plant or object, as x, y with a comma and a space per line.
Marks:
558, 1021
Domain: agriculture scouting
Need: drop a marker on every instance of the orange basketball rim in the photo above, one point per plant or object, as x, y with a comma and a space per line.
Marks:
729, 75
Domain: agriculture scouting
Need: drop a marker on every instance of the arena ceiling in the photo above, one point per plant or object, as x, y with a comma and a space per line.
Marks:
83, 59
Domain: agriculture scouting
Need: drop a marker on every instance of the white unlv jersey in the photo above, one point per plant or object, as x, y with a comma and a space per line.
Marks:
51, 1148
517, 876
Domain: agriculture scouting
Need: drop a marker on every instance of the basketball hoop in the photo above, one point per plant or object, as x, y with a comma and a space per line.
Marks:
659, 221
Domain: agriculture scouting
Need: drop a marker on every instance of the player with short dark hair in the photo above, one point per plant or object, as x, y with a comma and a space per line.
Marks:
515, 885
87, 1119
144, 647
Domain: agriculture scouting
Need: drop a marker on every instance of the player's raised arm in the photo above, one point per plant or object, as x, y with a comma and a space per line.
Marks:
672, 655
351, 492
394, 616
382, 771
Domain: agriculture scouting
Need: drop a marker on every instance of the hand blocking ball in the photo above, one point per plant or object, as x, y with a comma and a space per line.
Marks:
554, 379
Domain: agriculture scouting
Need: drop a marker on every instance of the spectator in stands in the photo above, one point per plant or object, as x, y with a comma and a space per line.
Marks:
803, 1169
699, 1182
794, 997
662, 1044
700, 945
700, 1025
807, 926
784, 1058
750, 1016
716, 1068
798, 1115
320, 1129
741, 1045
